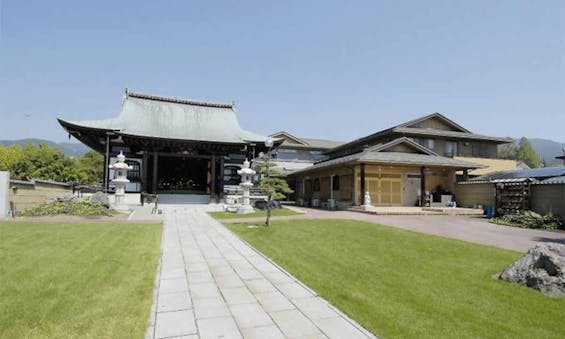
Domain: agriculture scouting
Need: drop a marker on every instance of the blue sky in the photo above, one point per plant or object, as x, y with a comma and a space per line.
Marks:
327, 69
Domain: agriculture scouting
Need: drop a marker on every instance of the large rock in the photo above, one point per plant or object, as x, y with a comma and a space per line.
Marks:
542, 268
100, 198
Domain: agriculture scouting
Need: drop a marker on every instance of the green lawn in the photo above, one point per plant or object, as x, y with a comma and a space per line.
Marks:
399, 283
258, 213
77, 280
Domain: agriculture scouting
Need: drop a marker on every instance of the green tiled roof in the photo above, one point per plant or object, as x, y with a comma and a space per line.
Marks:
152, 116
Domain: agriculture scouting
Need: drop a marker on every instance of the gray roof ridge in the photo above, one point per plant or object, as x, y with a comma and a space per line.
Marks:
299, 140
381, 147
432, 115
424, 131
174, 100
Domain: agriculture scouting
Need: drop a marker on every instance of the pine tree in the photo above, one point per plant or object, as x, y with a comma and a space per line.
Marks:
526, 153
523, 151
272, 182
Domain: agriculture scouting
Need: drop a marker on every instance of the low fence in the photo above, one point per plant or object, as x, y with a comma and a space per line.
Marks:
548, 198
544, 198
473, 195
28, 194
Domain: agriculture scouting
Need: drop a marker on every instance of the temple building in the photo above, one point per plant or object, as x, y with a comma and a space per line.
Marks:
175, 146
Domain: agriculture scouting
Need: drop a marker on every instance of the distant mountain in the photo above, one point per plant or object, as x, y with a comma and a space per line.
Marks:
548, 150
69, 148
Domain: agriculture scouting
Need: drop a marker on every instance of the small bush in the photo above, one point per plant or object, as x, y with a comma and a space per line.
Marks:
71, 207
529, 219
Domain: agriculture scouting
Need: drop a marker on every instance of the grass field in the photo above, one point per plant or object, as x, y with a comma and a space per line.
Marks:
399, 283
258, 213
77, 280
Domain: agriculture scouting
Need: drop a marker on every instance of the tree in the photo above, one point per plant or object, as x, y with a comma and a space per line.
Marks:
522, 151
526, 153
49, 163
90, 168
271, 182
10, 156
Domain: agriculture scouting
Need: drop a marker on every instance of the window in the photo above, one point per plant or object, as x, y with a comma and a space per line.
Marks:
335, 183
429, 143
134, 175
480, 150
316, 185
230, 175
451, 149
287, 154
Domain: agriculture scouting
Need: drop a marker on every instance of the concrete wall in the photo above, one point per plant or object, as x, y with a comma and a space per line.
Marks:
4, 194
548, 198
470, 195
28, 194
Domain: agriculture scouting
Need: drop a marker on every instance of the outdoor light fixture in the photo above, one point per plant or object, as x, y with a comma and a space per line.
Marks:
269, 142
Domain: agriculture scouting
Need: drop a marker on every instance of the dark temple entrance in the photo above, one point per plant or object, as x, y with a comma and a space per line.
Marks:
182, 175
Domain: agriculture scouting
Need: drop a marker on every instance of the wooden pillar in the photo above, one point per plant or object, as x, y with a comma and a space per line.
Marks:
362, 183
213, 179
105, 178
221, 183
144, 168
354, 197
465, 174
107, 163
155, 161
422, 186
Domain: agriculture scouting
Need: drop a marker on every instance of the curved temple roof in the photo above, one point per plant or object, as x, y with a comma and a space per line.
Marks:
150, 116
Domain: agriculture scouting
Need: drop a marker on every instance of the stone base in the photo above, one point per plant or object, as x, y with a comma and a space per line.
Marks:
122, 208
245, 209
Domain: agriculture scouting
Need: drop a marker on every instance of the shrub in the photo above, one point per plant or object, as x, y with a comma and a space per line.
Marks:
529, 219
80, 207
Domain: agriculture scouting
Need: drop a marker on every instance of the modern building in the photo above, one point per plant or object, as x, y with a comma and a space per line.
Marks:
296, 153
396, 165
176, 146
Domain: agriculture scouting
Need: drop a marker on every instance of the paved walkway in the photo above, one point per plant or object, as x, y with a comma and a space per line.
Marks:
475, 230
212, 285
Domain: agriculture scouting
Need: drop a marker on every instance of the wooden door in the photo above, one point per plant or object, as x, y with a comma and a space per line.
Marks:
385, 191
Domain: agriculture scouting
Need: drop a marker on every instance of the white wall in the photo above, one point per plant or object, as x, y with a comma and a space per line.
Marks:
4, 194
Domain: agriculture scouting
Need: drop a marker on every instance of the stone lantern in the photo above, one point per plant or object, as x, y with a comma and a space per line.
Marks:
120, 180
246, 174
367, 201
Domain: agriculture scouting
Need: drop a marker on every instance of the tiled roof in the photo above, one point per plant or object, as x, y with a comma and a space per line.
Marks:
380, 155
298, 142
404, 129
491, 165
145, 115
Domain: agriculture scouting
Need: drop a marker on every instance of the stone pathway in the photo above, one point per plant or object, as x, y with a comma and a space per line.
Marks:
211, 284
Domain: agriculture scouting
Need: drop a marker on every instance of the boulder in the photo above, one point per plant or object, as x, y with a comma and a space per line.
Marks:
542, 268
100, 198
